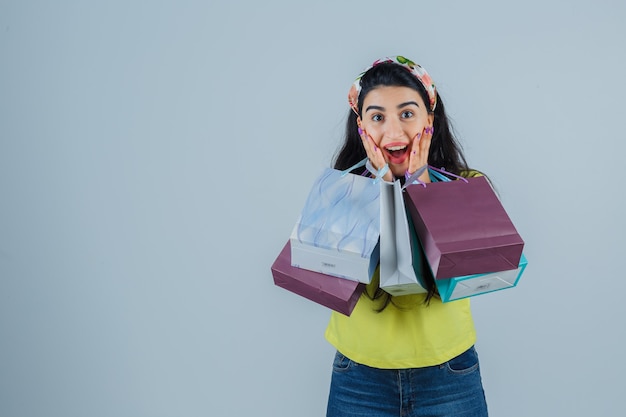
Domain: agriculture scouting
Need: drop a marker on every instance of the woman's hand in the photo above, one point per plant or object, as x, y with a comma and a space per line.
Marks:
419, 152
374, 154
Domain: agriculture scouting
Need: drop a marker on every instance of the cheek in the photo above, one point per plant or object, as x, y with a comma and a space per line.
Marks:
373, 130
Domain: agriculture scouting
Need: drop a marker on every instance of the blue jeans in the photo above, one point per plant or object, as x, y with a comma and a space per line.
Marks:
453, 388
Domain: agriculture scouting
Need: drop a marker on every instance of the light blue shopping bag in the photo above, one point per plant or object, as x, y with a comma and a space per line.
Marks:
338, 230
451, 289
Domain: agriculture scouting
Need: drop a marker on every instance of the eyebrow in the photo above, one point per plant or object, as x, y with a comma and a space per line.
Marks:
408, 103
399, 106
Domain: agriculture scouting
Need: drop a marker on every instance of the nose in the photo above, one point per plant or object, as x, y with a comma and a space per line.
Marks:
393, 129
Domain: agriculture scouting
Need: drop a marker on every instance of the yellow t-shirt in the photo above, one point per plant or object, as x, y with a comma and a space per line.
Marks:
407, 333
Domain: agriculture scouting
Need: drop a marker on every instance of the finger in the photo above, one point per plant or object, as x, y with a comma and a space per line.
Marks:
419, 156
415, 150
416, 143
425, 150
425, 143
366, 143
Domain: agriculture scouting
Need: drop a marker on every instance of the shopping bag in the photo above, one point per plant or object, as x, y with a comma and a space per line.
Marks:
402, 263
468, 286
463, 228
338, 230
335, 293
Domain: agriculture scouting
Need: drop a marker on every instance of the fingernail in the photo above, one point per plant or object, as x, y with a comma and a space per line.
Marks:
375, 148
360, 131
419, 135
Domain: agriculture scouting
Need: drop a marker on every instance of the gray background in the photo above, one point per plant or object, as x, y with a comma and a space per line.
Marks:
154, 157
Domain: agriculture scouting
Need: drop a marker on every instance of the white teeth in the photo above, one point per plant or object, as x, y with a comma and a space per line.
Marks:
396, 148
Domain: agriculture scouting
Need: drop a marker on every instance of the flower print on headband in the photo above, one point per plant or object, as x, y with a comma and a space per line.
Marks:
415, 69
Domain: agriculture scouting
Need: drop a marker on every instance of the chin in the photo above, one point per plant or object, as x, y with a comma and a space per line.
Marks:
398, 171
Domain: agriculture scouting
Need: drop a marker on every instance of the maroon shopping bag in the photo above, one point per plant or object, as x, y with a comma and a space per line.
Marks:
463, 228
338, 294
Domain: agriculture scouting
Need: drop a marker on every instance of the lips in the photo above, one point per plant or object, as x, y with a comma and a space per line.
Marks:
397, 152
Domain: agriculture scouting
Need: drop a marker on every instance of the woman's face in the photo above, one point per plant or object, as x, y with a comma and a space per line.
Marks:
392, 117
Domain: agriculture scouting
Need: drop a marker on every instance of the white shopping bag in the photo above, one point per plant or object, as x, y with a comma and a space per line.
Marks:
402, 263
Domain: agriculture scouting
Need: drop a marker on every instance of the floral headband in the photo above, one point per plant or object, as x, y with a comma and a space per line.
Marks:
419, 73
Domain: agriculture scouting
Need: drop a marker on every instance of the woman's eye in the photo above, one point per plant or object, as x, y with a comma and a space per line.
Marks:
377, 117
407, 114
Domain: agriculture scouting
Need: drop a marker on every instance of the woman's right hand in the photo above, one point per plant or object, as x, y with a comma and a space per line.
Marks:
374, 154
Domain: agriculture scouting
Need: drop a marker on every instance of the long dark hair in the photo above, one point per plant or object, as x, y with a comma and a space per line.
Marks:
445, 150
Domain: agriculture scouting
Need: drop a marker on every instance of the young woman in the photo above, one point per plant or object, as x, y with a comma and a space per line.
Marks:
406, 355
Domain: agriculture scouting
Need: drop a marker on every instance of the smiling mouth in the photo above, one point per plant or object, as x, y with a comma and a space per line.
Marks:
397, 153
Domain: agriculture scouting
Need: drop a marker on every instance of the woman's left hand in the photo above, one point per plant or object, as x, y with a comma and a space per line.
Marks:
419, 152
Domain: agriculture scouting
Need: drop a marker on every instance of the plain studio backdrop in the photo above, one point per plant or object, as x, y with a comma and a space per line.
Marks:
155, 155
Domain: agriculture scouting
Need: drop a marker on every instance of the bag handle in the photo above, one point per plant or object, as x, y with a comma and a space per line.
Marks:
435, 173
378, 173
355, 166
413, 178
441, 172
